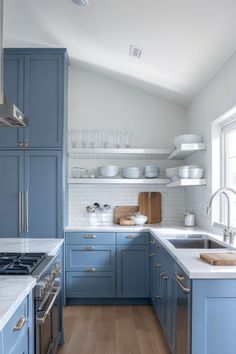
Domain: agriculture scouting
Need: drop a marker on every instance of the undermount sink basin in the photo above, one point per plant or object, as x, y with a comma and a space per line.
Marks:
201, 243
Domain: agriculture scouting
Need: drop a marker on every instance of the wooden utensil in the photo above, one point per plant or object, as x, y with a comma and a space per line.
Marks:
219, 259
150, 205
124, 211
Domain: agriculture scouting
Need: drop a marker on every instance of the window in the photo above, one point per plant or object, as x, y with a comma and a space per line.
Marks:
228, 169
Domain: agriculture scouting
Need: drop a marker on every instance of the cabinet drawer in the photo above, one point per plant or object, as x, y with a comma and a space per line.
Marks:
134, 238
11, 335
90, 284
102, 258
90, 238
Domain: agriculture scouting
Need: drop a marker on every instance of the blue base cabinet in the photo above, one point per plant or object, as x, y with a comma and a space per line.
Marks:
19, 341
104, 265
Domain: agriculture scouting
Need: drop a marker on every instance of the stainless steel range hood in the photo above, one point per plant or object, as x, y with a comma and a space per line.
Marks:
10, 115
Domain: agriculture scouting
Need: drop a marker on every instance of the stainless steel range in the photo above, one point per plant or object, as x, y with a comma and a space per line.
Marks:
47, 294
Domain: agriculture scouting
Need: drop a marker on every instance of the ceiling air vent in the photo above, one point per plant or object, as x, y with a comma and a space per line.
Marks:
135, 51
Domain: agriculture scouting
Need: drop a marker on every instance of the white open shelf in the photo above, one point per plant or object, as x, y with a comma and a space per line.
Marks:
129, 153
184, 182
118, 181
185, 150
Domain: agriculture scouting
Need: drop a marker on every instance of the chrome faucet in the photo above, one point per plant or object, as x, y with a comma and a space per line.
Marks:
228, 233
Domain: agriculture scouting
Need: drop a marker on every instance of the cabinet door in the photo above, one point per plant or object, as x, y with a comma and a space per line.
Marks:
43, 194
11, 186
133, 271
13, 90
44, 99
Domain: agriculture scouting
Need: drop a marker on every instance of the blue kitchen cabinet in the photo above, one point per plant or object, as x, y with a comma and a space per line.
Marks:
133, 265
17, 337
90, 265
13, 90
11, 193
213, 316
43, 194
31, 193
36, 79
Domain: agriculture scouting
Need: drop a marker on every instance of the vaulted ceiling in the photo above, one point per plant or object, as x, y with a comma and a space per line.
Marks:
184, 42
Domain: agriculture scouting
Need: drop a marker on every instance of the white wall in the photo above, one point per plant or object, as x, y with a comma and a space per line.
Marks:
215, 99
100, 103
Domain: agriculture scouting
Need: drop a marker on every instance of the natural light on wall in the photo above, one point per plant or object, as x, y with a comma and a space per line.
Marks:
224, 164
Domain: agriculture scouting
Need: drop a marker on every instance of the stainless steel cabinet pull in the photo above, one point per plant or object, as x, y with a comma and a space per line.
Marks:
152, 254
131, 236
158, 265
90, 248
20, 324
178, 279
26, 211
152, 242
21, 144
20, 212
158, 297
90, 269
90, 236
164, 276
26, 143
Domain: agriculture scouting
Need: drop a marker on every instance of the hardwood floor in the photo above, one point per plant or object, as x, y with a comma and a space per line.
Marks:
112, 330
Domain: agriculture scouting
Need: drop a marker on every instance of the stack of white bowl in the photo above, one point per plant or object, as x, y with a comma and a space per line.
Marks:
190, 171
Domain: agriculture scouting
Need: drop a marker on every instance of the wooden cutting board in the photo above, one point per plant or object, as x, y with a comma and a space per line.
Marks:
150, 205
124, 211
220, 259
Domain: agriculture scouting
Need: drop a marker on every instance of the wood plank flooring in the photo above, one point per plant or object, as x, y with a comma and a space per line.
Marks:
112, 330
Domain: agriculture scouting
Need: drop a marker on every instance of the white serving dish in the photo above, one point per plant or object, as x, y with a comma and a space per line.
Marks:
187, 139
131, 172
108, 171
139, 219
196, 172
151, 171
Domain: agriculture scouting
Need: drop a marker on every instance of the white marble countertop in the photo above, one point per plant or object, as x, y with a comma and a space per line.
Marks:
46, 245
14, 289
188, 259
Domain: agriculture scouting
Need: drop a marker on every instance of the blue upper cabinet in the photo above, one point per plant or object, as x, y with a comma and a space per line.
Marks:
36, 79
13, 90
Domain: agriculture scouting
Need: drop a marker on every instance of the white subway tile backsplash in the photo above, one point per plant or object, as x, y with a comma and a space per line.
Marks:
173, 200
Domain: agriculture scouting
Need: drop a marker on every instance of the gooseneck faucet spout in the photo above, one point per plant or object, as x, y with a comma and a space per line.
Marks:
228, 233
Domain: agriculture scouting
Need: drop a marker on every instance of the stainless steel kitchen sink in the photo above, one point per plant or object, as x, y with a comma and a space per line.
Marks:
201, 243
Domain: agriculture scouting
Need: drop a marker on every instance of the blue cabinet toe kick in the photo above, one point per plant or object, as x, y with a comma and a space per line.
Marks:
108, 301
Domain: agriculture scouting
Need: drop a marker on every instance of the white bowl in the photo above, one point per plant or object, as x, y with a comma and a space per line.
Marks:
151, 171
131, 172
140, 219
196, 172
108, 171
187, 139
190, 171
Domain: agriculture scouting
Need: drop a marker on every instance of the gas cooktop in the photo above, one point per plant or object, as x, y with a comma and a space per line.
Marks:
19, 263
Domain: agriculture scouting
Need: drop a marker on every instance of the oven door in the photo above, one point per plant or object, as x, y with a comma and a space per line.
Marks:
47, 323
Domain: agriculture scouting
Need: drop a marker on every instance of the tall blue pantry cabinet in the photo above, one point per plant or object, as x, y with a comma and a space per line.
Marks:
31, 159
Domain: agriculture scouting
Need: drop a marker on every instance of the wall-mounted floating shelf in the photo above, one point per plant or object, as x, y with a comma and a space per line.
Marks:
184, 182
157, 181
129, 153
185, 150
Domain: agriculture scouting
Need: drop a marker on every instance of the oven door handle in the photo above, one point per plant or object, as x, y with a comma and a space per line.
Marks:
40, 320
178, 279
